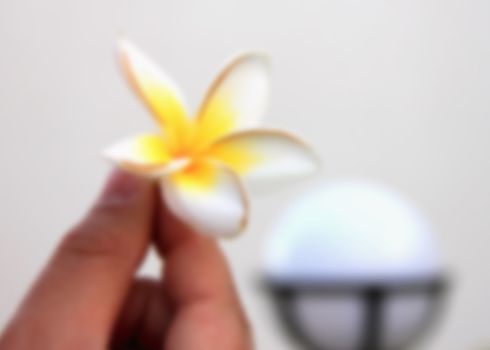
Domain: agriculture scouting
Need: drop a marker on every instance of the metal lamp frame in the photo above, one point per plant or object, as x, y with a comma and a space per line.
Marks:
373, 294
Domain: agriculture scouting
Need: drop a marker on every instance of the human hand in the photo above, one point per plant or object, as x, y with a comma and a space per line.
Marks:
88, 298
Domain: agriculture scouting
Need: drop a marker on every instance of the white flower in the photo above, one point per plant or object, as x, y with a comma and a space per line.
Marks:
200, 162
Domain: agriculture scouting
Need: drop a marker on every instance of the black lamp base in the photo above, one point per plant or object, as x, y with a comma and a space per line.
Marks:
373, 295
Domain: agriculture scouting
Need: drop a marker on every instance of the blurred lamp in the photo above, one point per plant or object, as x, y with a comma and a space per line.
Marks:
353, 265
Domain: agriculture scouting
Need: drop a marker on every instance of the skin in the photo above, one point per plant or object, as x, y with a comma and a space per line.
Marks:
88, 297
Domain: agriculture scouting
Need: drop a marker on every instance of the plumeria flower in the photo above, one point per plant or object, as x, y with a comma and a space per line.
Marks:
200, 163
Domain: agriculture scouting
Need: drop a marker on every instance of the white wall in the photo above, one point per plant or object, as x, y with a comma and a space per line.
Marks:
391, 90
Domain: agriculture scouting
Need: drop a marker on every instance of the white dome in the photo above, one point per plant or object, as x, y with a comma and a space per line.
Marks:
351, 231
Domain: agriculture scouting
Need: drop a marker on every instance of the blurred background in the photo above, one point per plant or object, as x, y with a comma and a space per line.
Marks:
395, 91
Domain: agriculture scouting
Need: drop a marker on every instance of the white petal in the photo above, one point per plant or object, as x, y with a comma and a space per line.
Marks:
208, 197
145, 154
264, 157
157, 90
237, 99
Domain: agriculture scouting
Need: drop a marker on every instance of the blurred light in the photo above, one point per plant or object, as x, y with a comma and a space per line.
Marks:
353, 265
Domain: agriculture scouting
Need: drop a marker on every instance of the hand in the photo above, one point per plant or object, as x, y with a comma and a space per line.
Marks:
88, 298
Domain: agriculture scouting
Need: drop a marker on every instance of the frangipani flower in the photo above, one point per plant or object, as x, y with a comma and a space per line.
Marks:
200, 163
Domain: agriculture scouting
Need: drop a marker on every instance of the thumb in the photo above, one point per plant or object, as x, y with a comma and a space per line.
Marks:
75, 301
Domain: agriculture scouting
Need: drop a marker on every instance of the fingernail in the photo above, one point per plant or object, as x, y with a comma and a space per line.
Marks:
121, 188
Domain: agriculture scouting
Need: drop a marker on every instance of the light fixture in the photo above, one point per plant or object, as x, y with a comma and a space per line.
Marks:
353, 265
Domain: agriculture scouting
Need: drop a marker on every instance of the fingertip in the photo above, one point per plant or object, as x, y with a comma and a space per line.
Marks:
171, 231
195, 267
123, 185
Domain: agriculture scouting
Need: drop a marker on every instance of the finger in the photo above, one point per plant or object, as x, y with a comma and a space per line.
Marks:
200, 287
77, 297
143, 319
127, 327
195, 268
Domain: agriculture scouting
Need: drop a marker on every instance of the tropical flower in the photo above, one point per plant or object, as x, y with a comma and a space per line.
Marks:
200, 162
